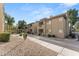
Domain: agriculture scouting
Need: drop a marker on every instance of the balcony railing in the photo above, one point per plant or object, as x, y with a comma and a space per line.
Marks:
40, 23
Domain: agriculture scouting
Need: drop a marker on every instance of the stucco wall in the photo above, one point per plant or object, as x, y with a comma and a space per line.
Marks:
34, 28
48, 27
59, 27
1, 18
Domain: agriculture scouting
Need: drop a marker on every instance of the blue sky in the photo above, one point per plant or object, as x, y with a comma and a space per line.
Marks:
31, 12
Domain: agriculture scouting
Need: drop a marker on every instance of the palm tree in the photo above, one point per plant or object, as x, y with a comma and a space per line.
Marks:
9, 22
21, 26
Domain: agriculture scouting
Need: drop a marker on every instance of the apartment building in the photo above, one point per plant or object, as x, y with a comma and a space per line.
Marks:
32, 28
42, 26
37, 27
49, 27
57, 26
1, 18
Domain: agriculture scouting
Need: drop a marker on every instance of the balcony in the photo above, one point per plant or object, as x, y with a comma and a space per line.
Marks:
40, 24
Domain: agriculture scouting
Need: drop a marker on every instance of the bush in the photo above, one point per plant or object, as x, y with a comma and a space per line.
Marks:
4, 37
39, 34
24, 36
53, 36
49, 35
20, 34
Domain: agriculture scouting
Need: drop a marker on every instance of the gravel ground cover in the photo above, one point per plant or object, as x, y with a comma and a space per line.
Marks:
19, 47
15, 40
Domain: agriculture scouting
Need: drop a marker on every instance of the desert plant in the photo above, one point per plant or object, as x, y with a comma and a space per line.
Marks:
24, 36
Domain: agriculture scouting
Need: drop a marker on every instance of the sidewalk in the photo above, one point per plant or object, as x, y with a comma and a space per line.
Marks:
30, 48
19, 47
15, 40
57, 46
67, 43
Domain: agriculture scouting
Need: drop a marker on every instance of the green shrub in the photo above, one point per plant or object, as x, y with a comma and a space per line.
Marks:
4, 37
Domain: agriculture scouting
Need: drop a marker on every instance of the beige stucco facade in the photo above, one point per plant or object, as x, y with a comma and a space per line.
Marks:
42, 26
34, 27
1, 18
57, 26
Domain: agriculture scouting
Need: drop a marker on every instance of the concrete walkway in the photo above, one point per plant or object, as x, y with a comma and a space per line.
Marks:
30, 48
67, 43
19, 47
6, 47
61, 50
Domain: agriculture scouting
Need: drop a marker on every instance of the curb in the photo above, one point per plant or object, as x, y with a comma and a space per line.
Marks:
62, 51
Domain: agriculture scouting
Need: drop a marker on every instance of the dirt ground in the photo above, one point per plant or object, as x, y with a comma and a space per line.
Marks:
19, 47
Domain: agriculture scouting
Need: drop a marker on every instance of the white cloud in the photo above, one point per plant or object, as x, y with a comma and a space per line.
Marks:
44, 11
40, 13
69, 4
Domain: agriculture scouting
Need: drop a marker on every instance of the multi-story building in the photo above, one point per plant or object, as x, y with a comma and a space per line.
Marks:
42, 26
1, 18
32, 28
35, 28
57, 26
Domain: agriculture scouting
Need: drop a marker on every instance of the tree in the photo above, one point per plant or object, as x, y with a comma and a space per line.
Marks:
72, 15
76, 26
9, 22
21, 26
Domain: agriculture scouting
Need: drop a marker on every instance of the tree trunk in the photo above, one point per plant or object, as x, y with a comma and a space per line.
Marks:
70, 29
